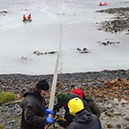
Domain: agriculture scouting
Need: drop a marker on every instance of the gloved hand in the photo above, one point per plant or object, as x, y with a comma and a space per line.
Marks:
48, 111
50, 120
55, 109
61, 121
58, 118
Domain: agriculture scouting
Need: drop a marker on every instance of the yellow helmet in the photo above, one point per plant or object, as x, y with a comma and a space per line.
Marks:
75, 105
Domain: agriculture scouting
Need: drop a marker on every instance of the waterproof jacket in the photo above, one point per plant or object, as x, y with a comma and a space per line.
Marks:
33, 111
68, 117
92, 104
85, 120
95, 109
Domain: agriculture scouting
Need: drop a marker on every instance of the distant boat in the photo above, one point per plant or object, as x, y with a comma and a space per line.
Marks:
27, 20
103, 4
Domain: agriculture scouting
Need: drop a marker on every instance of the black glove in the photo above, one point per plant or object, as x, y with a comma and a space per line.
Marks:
61, 121
55, 109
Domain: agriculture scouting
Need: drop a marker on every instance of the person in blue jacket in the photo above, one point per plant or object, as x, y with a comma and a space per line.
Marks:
34, 113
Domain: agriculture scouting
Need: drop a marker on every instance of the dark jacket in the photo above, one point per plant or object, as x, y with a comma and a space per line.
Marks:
68, 117
95, 109
85, 120
33, 111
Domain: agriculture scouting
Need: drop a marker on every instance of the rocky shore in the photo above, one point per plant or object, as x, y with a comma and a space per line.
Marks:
119, 23
110, 89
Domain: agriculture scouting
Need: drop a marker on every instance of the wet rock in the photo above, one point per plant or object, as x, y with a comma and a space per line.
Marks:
44, 53
37, 53
120, 22
108, 42
23, 58
52, 52
126, 127
126, 117
82, 50
3, 13
118, 126
109, 114
117, 113
12, 121
109, 125
123, 102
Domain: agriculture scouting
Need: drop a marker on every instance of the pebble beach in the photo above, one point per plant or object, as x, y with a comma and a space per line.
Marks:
108, 88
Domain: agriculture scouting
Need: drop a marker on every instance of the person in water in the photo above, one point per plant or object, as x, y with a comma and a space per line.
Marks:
29, 17
24, 18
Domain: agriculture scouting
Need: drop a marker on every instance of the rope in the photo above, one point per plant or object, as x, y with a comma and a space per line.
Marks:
54, 82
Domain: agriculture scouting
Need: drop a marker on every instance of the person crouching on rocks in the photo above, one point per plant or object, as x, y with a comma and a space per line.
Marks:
62, 101
83, 119
92, 104
34, 113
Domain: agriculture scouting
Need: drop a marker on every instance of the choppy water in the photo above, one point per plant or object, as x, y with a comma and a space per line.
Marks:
78, 19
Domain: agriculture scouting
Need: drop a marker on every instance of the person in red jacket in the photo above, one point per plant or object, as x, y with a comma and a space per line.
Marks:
29, 17
24, 18
92, 104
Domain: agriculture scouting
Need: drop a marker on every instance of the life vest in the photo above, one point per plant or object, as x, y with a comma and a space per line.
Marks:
24, 17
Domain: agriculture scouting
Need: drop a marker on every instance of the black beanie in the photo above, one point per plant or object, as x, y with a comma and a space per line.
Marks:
43, 85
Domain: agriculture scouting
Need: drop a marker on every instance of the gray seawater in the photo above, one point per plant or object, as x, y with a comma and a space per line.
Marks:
78, 19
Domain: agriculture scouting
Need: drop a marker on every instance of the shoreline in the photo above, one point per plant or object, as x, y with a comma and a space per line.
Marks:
83, 77
108, 88
18, 83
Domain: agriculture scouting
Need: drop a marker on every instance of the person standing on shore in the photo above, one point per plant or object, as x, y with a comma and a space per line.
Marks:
83, 119
92, 104
34, 113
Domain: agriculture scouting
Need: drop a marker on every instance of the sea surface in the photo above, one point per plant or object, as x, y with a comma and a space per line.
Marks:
78, 18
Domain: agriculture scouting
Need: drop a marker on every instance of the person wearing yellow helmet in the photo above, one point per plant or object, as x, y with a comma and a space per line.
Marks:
95, 108
83, 119
75, 105
62, 101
